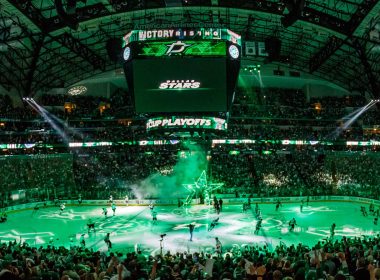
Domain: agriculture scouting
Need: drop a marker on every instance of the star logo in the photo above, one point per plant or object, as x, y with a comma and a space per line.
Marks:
176, 47
201, 184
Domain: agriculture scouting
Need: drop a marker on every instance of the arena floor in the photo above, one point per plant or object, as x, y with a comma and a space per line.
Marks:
133, 226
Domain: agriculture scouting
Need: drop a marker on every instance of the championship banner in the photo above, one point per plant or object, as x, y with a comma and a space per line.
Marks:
186, 122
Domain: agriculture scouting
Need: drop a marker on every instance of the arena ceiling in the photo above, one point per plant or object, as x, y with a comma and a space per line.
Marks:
39, 49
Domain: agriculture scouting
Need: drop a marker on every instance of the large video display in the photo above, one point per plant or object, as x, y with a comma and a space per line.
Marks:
180, 48
179, 85
181, 70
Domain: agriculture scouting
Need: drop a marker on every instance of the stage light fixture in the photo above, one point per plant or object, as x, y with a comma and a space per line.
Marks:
77, 90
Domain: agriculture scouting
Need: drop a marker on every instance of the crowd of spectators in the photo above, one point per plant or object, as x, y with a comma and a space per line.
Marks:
348, 258
116, 131
267, 114
356, 175
298, 173
36, 177
259, 170
293, 104
290, 109
244, 171
98, 175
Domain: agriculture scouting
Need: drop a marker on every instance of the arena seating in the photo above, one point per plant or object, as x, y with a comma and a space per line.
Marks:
262, 169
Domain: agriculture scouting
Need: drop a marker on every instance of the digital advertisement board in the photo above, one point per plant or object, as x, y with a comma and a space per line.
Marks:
179, 48
182, 34
176, 122
179, 85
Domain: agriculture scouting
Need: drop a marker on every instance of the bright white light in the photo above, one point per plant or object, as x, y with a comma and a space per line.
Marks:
234, 51
352, 119
77, 90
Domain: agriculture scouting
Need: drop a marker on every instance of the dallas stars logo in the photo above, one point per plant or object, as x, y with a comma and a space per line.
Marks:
176, 47
202, 185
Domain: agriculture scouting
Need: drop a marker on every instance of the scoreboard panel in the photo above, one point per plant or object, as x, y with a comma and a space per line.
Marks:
179, 48
182, 70
180, 85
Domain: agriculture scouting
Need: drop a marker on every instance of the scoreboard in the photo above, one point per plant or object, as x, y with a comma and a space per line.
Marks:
181, 70
179, 48
180, 85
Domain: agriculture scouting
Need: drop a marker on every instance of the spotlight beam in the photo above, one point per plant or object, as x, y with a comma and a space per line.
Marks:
356, 111
60, 132
350, 121
60, 121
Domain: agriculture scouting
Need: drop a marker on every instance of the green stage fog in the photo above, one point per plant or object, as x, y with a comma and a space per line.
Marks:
168, 182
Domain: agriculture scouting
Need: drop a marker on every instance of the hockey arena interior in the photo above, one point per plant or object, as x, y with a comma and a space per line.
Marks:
189, 139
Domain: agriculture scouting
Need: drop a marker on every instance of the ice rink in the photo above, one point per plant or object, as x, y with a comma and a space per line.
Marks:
133, 226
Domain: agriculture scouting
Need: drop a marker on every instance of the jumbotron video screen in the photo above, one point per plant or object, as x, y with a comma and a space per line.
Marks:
177, 73
180, 85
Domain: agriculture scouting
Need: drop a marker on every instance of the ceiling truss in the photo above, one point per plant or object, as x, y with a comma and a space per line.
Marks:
39, 51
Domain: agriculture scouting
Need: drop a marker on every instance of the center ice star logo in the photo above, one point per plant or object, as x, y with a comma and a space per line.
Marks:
203, 186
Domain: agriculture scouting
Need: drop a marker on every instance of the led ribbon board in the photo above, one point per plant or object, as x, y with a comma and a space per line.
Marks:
182, 34
174, 141
186, 122
181, 48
